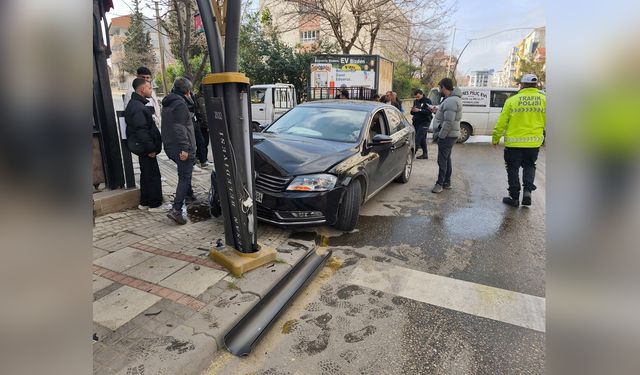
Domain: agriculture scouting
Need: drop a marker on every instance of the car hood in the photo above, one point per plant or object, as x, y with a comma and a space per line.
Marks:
286, 155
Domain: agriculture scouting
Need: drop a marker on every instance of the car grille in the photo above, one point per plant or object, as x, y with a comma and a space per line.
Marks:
270, 183
264, 213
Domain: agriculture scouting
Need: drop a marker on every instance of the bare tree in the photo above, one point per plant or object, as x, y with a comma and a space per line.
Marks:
184, 41
365, 24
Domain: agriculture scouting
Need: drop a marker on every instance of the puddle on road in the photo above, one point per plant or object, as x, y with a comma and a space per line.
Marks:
465, 223
374, 231
473, 223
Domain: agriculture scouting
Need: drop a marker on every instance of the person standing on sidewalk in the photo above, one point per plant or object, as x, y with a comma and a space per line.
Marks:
201, 129
145, 73
421, 112
447, 131
143, 138
179, 142
522, 123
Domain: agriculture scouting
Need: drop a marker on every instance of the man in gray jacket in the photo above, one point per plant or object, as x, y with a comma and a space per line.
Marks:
447, 131
179, 142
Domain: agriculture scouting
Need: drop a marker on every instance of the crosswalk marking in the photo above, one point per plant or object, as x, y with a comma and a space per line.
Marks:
476, 299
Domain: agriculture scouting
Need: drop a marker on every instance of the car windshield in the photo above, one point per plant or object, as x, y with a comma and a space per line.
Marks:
331, 124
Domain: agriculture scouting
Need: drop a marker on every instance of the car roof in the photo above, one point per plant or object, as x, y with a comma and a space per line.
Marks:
272, 85
358, 105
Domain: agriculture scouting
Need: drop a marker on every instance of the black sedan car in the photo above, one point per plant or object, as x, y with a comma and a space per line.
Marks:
321, 160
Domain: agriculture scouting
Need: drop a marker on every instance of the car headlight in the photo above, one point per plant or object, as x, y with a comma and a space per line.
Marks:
313, 182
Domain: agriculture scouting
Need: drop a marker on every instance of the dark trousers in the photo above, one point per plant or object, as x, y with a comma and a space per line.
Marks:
184, 189
516, 158
421, 137
150, 183
445, 146
202, 142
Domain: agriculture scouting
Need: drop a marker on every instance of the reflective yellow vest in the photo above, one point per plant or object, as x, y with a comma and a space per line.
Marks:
522, 120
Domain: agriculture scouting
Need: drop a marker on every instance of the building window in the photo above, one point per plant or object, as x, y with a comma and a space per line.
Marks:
309, 36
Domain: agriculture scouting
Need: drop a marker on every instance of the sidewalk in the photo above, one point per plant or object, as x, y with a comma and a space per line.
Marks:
160, 305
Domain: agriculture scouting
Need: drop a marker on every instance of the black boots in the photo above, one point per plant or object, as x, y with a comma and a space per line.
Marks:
513, 202
526, 198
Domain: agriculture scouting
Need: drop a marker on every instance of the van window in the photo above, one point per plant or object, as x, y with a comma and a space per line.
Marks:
281, 97
257, 95
395, 120
499, 97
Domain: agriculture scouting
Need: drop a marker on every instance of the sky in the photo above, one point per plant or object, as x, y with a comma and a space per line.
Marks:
476, 19
472, 19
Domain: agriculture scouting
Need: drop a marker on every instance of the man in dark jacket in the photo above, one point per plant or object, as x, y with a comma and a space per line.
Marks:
201, 129
179, 142
145, 141
422, 115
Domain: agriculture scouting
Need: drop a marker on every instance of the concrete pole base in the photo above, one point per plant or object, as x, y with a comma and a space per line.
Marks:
239, 263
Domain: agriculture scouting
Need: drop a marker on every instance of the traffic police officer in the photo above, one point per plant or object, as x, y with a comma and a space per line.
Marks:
522, 124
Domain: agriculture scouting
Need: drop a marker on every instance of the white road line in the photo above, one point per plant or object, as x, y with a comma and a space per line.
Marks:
476, 299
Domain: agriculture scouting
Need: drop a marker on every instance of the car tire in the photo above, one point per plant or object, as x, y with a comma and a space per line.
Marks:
465, 132
255, 127
349, 210
406, 171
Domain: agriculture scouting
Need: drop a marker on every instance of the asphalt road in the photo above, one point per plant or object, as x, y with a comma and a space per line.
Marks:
428, 284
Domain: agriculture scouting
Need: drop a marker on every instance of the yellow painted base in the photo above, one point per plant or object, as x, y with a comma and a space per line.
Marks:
238, 263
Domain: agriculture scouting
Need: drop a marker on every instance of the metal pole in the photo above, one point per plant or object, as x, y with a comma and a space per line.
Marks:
453, 40
232, 35
212, 34
161, 45
228, 114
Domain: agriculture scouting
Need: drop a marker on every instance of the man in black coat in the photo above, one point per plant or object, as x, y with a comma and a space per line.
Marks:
422, 115
179, 141
143, 138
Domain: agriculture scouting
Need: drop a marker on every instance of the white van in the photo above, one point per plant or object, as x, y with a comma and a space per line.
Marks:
481, 108
268, 102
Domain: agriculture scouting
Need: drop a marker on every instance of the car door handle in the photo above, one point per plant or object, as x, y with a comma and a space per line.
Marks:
260, 109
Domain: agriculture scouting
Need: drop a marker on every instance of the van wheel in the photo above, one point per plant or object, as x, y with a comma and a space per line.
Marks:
256, 127
465, 133
349, 210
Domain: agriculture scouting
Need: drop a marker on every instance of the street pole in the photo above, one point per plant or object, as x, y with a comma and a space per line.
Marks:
161, 45
226, 93
484, 37
453, 40
228, 113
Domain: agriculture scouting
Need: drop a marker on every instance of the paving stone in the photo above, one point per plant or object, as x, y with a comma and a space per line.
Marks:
192, 282
99, 283
123, 259
168, 306
117, 242
104, 355
260, 280
99, 253
104, 291
219, 316
101, 332
179, 352
156, 268
292, 251
120, 306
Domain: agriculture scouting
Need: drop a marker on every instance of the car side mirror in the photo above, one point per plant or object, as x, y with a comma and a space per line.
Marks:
381, 142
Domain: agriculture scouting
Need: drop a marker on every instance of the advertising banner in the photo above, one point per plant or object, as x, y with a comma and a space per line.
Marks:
475, 98
351, 71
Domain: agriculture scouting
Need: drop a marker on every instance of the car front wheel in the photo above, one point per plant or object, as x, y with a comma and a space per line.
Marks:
349, 210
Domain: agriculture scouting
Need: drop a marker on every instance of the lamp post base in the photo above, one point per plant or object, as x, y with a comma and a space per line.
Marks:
239, 263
